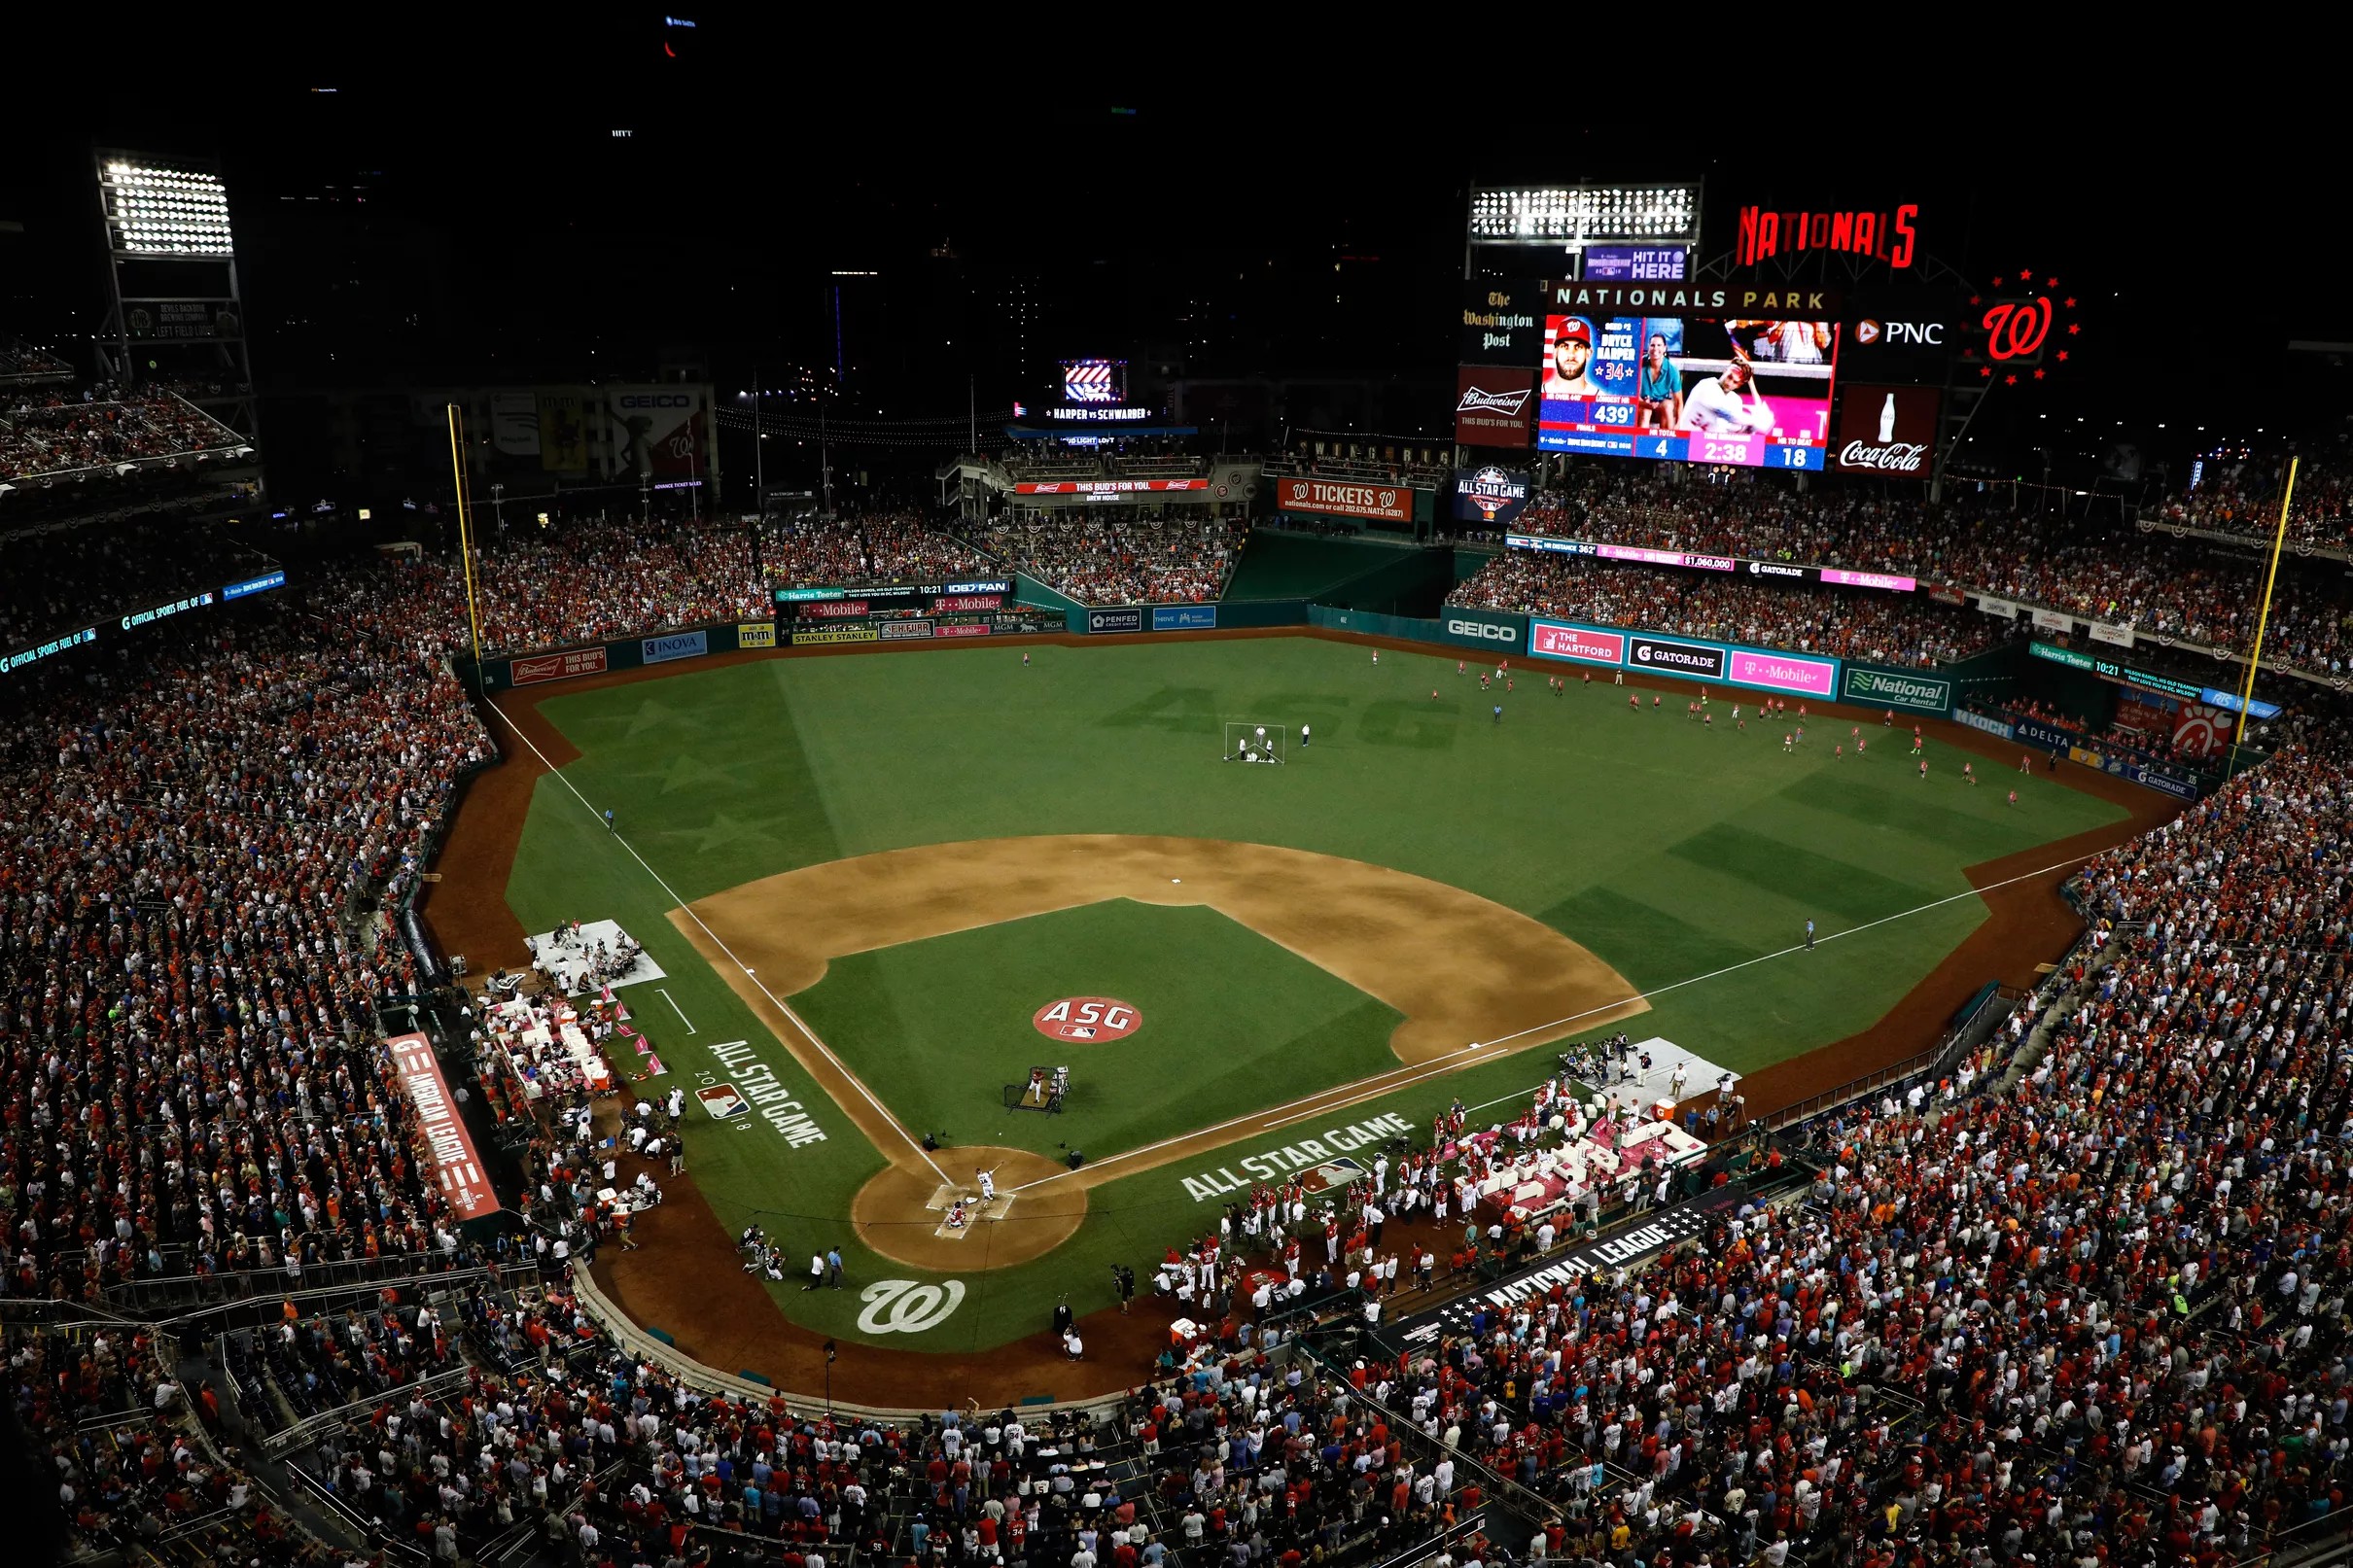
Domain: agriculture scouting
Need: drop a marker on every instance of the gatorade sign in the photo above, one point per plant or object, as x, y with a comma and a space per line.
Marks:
1095, 1019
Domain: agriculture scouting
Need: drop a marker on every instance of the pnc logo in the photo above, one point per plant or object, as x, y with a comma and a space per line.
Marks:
1475, 628
1918, 334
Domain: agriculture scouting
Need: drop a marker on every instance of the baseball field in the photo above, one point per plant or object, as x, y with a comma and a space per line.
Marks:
872, 882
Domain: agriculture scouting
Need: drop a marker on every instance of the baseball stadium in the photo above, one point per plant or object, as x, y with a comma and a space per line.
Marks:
1681, 920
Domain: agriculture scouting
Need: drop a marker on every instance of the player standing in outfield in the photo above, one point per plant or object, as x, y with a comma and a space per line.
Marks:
1787, 741
1838, 752
1303, 737
1433, 694
1376, 656
1924, 769
2024, 763
1860, 745
1654, 701
1889, 721
1460, 666
1499, 713
1025, 658
1968, 772
1800, 732
1634, 703
1483, 681
2013, 797
1707, 721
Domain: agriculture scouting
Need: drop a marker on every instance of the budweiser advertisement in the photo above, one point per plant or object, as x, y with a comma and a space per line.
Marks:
1886, 430
1337, 498
1495, 407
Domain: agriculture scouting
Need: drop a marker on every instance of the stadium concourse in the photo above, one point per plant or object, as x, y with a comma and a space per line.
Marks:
2084, 1299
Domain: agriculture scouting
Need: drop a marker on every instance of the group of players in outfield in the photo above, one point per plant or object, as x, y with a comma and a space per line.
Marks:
1700, 709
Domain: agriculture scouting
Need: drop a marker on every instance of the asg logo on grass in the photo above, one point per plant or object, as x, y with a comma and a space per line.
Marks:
903, 1306
1087, 1018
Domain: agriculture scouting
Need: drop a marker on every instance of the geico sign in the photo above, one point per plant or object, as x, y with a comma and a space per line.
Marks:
1922, 333
1478, 628
659, 400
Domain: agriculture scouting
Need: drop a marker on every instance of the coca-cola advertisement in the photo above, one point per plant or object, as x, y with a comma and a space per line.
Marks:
1886, 430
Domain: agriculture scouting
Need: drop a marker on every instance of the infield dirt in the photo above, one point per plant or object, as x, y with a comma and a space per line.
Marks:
1473, 979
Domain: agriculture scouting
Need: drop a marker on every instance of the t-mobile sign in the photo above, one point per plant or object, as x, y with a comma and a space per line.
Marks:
1785, 672
1886, 430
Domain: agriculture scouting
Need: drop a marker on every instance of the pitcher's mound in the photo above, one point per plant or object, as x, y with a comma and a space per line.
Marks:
911, 1216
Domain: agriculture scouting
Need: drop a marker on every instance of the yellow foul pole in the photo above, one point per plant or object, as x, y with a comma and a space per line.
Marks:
2262, 618
457, 474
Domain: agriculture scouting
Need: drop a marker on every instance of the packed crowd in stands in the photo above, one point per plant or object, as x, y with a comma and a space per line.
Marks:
2098, 570
50, 433
885, 547
1122, 557
67, 577
2244, 499
111, 1427
1852, 624
211, 817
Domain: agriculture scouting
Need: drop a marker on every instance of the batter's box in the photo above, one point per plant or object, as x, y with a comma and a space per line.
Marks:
943, 1201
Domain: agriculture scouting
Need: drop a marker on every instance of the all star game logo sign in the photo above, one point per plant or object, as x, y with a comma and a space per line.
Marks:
1094, 1019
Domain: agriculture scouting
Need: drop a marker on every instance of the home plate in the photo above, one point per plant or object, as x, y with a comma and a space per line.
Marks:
943, 1198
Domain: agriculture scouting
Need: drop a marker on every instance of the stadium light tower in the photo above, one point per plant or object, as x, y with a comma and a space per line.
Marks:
172, 282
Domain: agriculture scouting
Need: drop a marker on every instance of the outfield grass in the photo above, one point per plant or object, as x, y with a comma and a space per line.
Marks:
1231, 1024
1670, 851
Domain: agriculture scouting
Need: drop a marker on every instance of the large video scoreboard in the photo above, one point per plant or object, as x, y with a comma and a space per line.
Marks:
1690, 373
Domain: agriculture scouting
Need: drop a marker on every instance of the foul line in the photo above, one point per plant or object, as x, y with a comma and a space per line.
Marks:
1282, 1114
809, 1033
680, 1011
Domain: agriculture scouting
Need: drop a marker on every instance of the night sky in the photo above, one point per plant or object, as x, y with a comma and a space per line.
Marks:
459, 210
